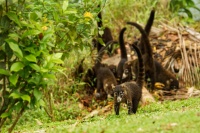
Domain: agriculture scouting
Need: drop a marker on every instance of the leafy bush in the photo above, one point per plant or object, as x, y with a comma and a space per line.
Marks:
184, 7
36, 36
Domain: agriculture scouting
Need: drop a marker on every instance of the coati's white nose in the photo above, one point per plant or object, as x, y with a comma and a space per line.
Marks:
119, 99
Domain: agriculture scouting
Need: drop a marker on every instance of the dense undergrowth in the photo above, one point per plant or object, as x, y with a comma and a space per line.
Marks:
71, 37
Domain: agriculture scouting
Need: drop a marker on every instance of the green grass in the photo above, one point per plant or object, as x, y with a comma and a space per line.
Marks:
170, 116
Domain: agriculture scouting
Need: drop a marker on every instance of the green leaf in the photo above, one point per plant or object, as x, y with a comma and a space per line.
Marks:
4, 72
14, 78
15, 48
35, 67
57, 61
58, 55
26, 98
56, 17
12, 16
17, 66
42, 103
37, 94
65, 5
49, 76
15, 95
5, 114
31, 33
31, 58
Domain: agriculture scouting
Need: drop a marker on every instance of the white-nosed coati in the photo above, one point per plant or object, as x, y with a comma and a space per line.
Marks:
105, 78
124, 58
130, 92
153, 69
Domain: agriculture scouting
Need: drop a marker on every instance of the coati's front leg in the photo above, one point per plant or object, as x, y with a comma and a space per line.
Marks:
116, 107
129, 105
99, 87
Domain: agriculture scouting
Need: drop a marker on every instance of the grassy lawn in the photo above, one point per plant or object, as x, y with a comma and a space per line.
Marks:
170, 116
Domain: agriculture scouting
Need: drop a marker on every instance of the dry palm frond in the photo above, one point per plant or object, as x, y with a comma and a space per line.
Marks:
184, 54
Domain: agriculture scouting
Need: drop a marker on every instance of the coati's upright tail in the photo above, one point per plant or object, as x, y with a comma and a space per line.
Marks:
101, 52
150, 22
140, 79
147, 30
145, 38
99, 23
121, 43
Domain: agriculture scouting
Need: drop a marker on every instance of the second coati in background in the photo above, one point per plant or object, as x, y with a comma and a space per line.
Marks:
140, 43
153, 68
105, 78
124, 58
130, 92
147, 57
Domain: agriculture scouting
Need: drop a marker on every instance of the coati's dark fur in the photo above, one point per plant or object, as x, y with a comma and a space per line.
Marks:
153, 69
128, 65
105, 78
166, 77
147, 57
124, 57
89, 79
130, 92
107, 35
147, 30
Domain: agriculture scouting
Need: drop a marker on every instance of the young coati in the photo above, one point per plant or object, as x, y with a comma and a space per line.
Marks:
153, 69
105, 78
130, 92
124, 57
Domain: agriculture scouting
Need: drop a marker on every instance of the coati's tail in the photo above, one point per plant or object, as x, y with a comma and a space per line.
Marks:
101, 51
140, 79
145, 38
99, 23
121, 43
150, 22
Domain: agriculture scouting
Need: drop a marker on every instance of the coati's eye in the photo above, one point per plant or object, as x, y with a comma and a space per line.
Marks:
126, 71
121, 93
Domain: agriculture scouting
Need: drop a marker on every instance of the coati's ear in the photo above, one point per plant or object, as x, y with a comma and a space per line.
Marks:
113, 86
125, 92
124, 89
122, 85
106, 85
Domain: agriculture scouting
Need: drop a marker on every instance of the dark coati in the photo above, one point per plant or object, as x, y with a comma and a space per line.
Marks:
107, 35
153, 69
105, 78
124, 57
140, 43
130, 92
147, 57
